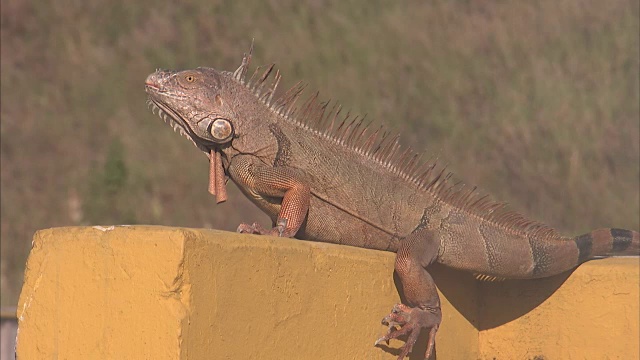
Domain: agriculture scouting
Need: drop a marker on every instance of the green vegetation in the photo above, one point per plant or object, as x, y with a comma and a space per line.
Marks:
109, 190
537, 102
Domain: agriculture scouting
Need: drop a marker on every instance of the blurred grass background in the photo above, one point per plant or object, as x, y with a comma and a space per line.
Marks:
537, 102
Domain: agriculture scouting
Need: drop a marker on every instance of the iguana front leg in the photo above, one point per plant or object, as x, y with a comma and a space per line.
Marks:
260, 180
422, 308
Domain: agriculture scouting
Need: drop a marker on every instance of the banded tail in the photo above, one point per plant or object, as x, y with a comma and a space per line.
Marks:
568, 254
543, 256
607, 242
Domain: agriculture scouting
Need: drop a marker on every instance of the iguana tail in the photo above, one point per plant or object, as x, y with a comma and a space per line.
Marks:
607, 242
567, 254
536, 257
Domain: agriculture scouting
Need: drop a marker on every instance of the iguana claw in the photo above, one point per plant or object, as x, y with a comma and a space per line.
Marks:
382, 339
411, 320
255, 228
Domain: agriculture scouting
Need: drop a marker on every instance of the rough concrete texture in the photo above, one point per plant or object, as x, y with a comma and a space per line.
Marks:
144, 292
594, 313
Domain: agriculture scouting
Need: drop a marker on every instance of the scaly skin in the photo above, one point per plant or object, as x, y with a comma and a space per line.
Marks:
342, 183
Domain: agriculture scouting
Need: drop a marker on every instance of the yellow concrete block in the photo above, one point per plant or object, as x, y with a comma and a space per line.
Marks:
592, 313
103, 294
144, 292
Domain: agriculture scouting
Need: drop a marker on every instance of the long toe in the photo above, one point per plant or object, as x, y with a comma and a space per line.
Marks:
411, 321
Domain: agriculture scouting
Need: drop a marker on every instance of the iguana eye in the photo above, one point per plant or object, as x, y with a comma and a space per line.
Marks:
221, 130
190, 78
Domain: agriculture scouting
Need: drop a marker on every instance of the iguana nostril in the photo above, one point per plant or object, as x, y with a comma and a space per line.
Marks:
152, 81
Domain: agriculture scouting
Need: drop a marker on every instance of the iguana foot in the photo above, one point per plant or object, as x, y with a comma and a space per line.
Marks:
411, 320
254, 228
279, 230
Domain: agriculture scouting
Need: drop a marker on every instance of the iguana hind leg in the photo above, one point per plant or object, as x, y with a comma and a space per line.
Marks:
422, 308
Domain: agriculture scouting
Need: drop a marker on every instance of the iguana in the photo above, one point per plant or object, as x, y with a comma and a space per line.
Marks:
323, 176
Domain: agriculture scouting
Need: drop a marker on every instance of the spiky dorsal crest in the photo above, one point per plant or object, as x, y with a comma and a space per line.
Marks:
241, 71
376, 143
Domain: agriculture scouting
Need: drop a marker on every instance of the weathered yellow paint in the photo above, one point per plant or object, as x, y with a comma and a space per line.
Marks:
144, 292
593, 314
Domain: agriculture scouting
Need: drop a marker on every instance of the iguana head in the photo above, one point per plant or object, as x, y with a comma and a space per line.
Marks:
194, 102
216, 110
191, 102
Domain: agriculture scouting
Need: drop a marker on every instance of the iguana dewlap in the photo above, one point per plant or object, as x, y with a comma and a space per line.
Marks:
327, 177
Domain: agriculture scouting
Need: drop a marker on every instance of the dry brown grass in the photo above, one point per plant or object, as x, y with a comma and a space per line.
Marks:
536, 102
